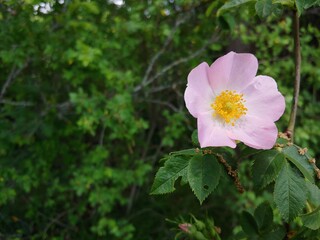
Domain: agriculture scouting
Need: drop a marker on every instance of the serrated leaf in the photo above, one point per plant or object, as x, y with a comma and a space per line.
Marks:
289, 192
264, 8
173, 168
313, 194
264, 216
300, 161
305, 4
232, 4
266, 167
203, 175
312, 220
184, 179
249, 224
311, 3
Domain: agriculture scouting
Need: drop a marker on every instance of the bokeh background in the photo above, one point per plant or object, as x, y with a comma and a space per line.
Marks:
91, 98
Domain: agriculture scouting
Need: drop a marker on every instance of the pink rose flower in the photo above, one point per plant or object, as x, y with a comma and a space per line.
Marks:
231, 103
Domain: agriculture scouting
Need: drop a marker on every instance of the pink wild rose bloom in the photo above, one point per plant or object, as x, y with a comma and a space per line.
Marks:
231, 103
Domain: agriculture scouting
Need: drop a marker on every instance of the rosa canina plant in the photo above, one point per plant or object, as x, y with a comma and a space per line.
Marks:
232, 105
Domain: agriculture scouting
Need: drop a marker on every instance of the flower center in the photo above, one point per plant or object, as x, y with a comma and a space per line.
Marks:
229, 105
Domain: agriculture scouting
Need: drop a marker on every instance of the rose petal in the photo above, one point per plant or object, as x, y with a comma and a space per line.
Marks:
233, 71
263, 98
198, 95
211, 133
255, 132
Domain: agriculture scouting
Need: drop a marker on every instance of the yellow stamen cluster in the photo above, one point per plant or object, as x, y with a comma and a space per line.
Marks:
229, 105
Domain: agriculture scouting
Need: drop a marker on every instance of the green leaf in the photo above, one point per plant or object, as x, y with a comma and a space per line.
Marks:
173, 168
184, 179
305, 4
203, 175
312, 220
249, 224
266, 167
264, 216
277, 9
276, 234
232, 4
246, 151
264, 8
300, 161
299, 5
311, 3
313, 193
289, 192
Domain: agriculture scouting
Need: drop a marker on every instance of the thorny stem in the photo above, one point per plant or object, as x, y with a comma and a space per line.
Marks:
294, 107
232, 173
297, 57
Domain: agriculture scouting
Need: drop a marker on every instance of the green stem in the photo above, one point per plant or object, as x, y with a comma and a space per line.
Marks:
297, 57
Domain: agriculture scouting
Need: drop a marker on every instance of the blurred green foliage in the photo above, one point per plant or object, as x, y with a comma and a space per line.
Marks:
92, 96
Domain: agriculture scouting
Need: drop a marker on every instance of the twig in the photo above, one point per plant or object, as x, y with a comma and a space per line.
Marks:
175, 109
232, 173
102, 133
55, 221
13, 74
175, 63
158, 54
297, 57
18, 104
61, 106
131, 198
